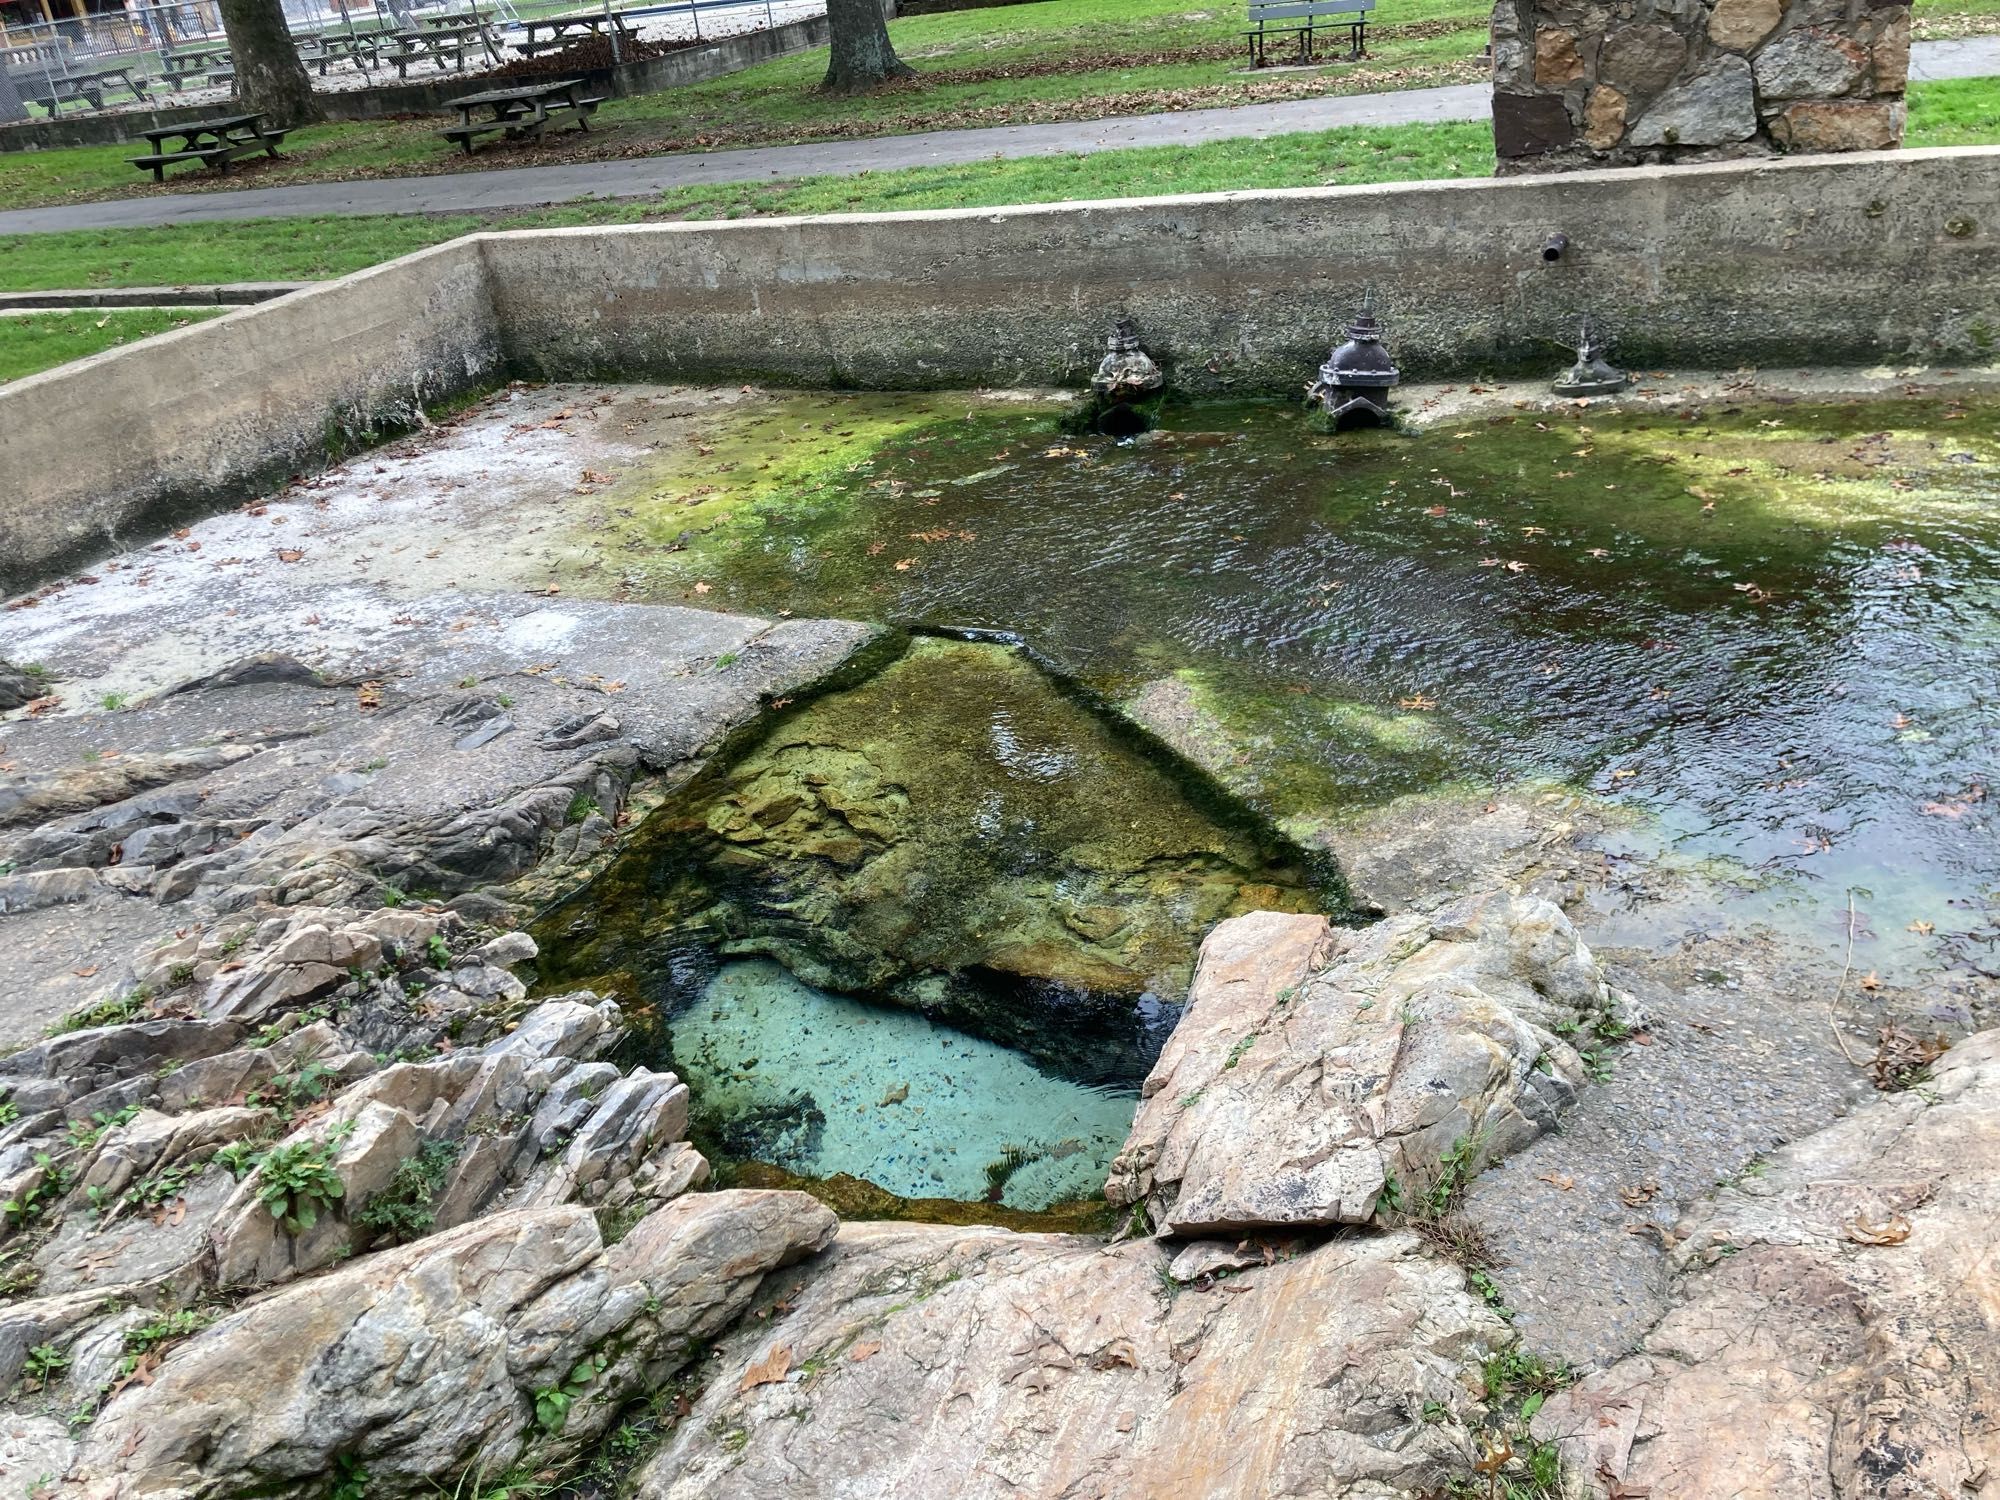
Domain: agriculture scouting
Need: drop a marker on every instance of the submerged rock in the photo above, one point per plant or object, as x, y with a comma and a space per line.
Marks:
1047, 1365
1315, 1067
1836, 1334
954, 834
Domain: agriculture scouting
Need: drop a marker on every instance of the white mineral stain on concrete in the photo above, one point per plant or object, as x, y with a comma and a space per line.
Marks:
365, 556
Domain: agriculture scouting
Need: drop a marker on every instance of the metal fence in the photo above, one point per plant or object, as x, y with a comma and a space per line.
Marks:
147, 53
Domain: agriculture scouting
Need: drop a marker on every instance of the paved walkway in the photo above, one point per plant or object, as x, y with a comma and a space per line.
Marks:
531, 187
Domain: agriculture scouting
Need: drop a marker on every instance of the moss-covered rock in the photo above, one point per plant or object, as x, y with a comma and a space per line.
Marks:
956, 834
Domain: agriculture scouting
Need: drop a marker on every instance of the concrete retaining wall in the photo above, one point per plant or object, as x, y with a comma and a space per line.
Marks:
1847, 259
194, 420
431, 93
1831, 260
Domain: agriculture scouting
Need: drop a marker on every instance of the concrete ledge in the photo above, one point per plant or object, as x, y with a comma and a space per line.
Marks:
194, 420
431, 94
230, 294
1812, 260
1858, 260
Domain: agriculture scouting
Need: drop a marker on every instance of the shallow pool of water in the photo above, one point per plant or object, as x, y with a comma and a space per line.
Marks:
1770, 631
821, 1084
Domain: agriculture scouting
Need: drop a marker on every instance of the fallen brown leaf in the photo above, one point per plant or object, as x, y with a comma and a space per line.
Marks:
772, 1368
1891, 1231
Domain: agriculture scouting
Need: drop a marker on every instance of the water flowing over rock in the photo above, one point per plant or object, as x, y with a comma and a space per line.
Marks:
1046, 1366
1314, 1066
1836, 1332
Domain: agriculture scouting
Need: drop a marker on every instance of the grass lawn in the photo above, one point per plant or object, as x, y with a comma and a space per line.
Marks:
39, 341
1960, 112
1053, 60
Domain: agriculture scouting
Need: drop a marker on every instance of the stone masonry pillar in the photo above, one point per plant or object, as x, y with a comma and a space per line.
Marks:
1606, 83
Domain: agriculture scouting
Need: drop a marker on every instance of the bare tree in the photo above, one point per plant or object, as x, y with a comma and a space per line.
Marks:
270, 79
862, 57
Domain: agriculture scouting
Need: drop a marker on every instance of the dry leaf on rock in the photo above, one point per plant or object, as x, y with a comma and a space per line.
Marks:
769, 1370
1890, 1231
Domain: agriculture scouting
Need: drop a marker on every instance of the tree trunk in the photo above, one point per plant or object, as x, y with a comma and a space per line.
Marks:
270, 79
861, 55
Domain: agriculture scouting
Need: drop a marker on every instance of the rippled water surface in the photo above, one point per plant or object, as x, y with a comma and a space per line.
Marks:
1772, 630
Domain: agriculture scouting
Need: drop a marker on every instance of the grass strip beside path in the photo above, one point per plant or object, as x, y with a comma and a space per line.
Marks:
41, 341
1955, 113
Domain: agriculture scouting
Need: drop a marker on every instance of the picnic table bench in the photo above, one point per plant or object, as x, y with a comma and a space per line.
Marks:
214, 143
520, 112
214, 63
566, 31
52, 91
362, 49
1301, 18
440, 44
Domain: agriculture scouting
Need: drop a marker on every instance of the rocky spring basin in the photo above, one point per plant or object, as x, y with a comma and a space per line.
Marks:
671, 939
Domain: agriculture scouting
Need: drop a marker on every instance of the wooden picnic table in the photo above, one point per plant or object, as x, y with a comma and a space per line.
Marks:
565, 31
520, 112
215, 142
213, 62
54, 90
363, 49
441, 44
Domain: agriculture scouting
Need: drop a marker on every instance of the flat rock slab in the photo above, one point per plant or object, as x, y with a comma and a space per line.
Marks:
1045, 1365
1318, 1071
1837, 1334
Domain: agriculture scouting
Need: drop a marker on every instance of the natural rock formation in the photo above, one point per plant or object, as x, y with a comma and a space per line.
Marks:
428, 1361
955, 835
912, 1361
17, 686
1587, 83
1836, 1334
1315, 1066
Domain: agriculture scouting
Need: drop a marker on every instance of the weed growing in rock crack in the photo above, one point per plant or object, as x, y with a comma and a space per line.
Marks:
1489, 1293
552, 1402
165, 1329
84, 1134
43, 1364
238, 1158
390, 895
350, 1480
287, 1093
405, 1209
1518, 1374
1456, 1238
1243, 1045
17, 1274
9, 1112
581, 806
440, 951
130, 1006
727, 660
297, 1181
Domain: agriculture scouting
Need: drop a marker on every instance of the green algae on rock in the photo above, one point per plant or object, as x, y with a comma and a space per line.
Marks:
958, 835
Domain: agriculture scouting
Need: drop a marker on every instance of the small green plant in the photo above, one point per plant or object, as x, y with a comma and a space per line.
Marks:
350, 1480
439, 950
38, 671
581, 806
238, 1158
180, 976
297, 1183
505, 700
727, 660
9, 1112
392, 895
1455, 1170
114, 701
84, 1134
31, 1202
1243, 1045
404, 1210
167, 1328
377, 764
288, 1093
1516, 1373
43, 1364
552, 1402
162, 1186
113, 1012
